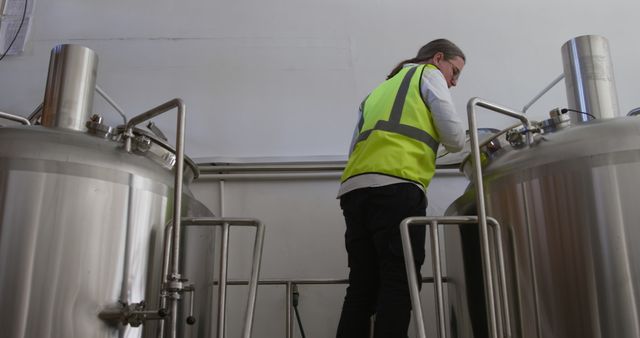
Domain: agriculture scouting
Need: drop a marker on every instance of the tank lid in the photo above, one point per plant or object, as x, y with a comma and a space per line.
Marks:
157, 149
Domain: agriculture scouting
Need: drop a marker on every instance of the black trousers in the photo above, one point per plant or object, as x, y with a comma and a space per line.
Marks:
377, 277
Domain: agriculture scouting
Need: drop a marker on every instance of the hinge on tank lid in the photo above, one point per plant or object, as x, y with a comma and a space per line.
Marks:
152, 126
142, 143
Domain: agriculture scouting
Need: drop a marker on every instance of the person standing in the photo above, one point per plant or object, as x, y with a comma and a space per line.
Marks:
391, 162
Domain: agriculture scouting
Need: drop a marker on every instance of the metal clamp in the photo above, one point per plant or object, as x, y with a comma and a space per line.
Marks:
495, 327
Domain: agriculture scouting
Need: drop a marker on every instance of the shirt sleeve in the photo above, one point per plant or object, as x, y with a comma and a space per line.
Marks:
356, 131
438, 98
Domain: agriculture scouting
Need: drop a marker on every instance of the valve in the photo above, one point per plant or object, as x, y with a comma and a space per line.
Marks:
133, 314
191, 319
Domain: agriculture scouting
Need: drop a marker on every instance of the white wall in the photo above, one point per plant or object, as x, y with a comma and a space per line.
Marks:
284, 77
304, 239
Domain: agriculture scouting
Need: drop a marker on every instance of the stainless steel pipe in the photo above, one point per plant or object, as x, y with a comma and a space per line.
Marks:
437, 276
589, 79
68, 97
166, 263
174, 279
15, 118
113, 103
289, 316
544, 91
433, 222
482, 216
177, 192
289, 283
222, 287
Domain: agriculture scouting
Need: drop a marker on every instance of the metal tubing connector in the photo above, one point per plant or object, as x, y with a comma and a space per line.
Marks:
175, 285
133, 314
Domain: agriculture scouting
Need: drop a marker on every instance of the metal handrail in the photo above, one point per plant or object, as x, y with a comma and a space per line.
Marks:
226, 223
174, 283
289, 283
479, 184
15, 118
433, 223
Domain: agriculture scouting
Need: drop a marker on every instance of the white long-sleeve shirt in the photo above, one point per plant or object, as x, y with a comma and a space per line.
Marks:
437, 96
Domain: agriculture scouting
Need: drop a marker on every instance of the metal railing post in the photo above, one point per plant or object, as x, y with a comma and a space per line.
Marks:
502, 281
412, 276
15, 118
437, 269
433, 222
289, 316
226, 223
253, 285
222, 287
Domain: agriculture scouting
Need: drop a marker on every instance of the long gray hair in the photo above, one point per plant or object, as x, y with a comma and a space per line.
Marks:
448, 48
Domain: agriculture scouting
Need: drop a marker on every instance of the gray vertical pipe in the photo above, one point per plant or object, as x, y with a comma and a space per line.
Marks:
166, 263
480, 202
589, 80
502, 284
177, 186
437, 277
289, 319
253, 284
222, 284
174, 281
71, 82
412, 277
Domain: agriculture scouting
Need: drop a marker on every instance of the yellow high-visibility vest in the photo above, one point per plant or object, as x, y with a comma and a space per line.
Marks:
397, 136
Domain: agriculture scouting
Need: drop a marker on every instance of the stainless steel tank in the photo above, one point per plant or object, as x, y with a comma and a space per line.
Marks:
567, 205
570, 209
82, 221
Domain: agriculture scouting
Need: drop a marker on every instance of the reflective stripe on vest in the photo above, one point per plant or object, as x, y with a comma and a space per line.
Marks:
394, 126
